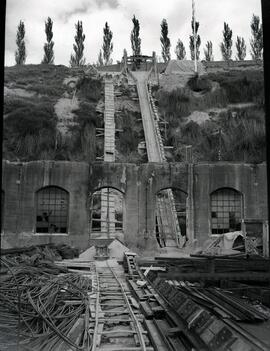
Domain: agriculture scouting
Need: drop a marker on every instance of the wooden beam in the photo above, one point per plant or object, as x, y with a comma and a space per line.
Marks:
255, 276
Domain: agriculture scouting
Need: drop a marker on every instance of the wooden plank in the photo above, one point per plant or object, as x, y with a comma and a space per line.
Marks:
99, 333
146, 309
255, 276
156, 339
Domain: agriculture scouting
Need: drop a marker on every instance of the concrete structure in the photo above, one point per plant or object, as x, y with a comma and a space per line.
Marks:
139, 185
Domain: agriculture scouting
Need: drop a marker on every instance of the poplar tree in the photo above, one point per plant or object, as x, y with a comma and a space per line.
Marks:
241, 49
208, 51
192, 41
100, 59
77, 59
180, 50
107, 44
135, 37
48, 47
165, 41
226, 45
20, 54
256, 41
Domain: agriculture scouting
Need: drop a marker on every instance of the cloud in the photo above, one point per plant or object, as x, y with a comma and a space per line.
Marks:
118, 13
88, 7
66, 15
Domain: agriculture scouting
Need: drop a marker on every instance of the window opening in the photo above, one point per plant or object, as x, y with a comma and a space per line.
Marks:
170, 215
52, 210
107, 211
225, 211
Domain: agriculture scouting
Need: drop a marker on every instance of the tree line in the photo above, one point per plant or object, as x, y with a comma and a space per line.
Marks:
104, 58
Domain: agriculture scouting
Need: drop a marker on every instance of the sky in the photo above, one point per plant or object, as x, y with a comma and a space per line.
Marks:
118, 13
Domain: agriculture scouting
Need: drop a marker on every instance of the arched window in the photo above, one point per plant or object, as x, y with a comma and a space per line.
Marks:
107, 211
226, 211
52, 210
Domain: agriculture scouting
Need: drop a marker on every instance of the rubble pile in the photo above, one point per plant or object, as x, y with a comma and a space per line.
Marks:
50, 252
42, 305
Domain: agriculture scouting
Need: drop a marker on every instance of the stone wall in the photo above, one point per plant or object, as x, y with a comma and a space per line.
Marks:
139, 185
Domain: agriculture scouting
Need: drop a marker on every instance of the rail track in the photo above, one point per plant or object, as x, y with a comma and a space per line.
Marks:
118, 324
184, 324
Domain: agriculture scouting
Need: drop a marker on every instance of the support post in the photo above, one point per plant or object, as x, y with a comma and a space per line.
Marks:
190, 205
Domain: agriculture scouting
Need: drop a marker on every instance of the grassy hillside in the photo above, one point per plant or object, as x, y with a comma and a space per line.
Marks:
235, 123
30, 121
229, 117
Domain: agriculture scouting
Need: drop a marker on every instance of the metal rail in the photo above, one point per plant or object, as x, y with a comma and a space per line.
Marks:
94, 342
139, 331
134, 319
172, 331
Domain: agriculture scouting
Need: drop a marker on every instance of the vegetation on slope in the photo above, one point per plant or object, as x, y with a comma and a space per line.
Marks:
241, 86
30, 124
30, 131
83, 140
237, 132
128, 140
129, 123
42, 79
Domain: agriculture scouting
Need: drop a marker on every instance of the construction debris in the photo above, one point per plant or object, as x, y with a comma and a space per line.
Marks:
222, 303
49, 252
43, 306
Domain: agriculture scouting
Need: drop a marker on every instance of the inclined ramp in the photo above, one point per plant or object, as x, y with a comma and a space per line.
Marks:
152, 144
169, 229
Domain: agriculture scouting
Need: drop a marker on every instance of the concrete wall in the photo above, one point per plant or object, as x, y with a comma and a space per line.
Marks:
250, 180
139, 185
20, 183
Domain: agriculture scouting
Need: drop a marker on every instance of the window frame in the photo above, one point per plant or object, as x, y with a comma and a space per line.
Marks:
97, 194
37, 213
241, 209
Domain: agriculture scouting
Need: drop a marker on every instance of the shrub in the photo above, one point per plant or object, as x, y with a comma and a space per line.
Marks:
191, 132
29, 120
14, 103
29, 129
241, 86
89, 89
174, 103
44, 79
130, 137
86, 114
199, 84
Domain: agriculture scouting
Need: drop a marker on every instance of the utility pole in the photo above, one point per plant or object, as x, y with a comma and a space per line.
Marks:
194, 36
